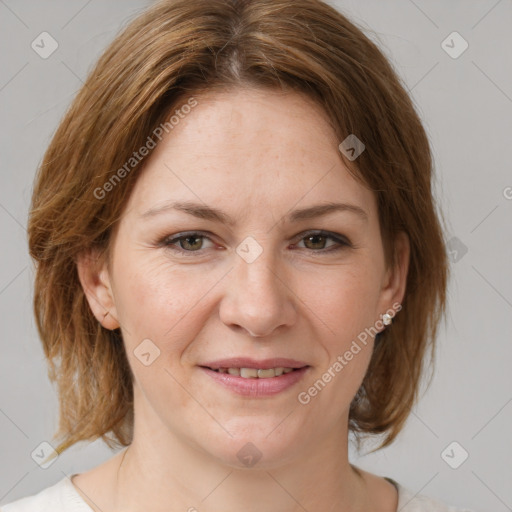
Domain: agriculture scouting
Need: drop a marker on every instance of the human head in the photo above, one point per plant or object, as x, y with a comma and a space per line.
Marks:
162, 59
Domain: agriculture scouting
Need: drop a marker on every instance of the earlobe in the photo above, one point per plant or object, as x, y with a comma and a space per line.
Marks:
95, 280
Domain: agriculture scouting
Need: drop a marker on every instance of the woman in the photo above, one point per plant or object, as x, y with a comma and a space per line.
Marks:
239, 262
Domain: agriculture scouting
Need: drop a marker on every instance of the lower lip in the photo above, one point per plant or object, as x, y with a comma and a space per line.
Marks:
257, 387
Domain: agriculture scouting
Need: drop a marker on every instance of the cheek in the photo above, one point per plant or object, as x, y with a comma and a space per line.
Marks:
160, 304
161, 301
344, 298
344, 305
343, 311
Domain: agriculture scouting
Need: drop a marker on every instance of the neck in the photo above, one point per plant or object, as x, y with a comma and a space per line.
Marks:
166, 473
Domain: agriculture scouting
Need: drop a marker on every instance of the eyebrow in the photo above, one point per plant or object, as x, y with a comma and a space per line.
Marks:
205, 212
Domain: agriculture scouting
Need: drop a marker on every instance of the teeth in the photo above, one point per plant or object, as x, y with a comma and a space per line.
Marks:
254, 373
248, 373
265, 374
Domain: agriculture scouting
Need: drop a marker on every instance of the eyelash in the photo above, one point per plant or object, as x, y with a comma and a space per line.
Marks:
172, 242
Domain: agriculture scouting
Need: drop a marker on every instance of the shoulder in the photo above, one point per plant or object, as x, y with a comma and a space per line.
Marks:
59, 497
411, 502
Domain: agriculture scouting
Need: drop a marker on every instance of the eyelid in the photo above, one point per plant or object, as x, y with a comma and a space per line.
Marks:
338, 237
172, 241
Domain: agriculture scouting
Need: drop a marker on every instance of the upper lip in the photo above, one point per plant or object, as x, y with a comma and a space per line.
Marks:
247, 362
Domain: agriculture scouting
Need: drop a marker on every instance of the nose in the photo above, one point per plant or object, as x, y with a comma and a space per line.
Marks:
258, 298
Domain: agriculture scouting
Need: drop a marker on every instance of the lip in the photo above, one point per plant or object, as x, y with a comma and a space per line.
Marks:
247, 362
256, 387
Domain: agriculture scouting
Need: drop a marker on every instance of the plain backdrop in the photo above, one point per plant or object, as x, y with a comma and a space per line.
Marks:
465, 101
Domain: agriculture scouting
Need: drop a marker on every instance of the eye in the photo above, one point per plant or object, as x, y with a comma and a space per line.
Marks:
315, 241
188, 242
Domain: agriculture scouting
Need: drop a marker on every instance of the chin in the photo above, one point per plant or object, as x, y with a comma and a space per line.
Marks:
257, 444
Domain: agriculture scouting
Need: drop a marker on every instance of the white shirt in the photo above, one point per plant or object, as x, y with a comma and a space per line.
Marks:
64, 497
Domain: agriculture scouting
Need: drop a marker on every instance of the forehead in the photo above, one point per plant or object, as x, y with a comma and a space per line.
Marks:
249, 148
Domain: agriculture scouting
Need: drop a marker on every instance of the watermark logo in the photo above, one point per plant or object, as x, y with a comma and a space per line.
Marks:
352, 147
304, 397
151, 142
454, 455
456, 249
454, 45
44, 45
249, 455
249, 249
44, 455
147, 352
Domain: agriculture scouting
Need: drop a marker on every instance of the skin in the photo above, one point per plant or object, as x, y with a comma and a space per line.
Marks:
256, 155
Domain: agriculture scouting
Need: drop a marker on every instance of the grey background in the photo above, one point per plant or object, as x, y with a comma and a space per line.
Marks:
466, 104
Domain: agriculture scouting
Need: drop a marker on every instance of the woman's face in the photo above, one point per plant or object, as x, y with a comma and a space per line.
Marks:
261, 286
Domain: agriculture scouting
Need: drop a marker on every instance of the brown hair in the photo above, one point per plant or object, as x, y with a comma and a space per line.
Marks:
174, 50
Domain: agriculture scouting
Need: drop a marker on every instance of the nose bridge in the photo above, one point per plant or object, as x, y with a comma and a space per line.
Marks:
258, 274
258, 299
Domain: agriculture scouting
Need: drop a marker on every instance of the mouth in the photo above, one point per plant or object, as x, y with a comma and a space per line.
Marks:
256, 382
255, 373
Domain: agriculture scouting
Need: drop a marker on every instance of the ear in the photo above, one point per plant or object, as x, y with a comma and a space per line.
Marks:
395, 280
96, 283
